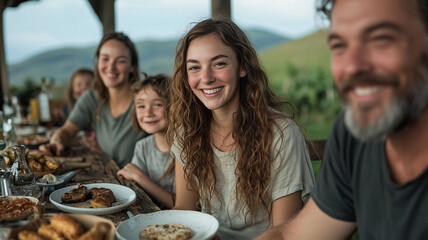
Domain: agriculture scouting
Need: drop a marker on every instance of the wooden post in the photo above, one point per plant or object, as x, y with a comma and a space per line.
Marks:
220, 9
4, 81
105, 12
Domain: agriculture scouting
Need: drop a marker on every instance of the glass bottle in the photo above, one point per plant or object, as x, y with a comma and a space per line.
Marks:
24, 183
8, 126
17, 110
45, 99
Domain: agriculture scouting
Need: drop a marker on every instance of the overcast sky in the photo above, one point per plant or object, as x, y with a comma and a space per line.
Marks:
38, 26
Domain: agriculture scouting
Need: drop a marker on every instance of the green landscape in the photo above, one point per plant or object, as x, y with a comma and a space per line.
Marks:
299, 71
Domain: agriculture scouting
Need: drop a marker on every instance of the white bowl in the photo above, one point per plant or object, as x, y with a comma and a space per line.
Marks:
204, 226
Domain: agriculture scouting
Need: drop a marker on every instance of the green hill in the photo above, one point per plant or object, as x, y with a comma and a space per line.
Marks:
308, 52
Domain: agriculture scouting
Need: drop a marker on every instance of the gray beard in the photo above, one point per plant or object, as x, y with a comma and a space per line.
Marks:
400, 112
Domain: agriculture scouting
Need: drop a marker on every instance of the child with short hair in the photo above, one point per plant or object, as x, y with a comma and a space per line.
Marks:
151, 167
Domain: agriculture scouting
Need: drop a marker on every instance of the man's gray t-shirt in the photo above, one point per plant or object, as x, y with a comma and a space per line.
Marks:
153, 162
115, 136
355, 185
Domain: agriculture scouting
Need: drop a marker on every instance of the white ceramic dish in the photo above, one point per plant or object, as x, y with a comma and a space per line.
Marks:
124, 196
62, 180
203, 225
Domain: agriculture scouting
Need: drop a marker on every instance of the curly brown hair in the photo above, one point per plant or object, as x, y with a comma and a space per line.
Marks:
133, 75
326, 6
190, 122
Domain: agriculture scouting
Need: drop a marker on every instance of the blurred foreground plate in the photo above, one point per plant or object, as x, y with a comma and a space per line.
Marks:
204, 226
26, 212
124, 198
87, 221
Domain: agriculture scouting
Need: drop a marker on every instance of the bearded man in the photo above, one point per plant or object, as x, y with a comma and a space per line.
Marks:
375, 170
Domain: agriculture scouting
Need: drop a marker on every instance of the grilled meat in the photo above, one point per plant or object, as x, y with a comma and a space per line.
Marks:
79, 194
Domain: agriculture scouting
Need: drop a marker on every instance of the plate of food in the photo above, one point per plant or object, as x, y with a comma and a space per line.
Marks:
38, 162
95, 198
169, 223
42, 164
33, 141
15, 208
69, 226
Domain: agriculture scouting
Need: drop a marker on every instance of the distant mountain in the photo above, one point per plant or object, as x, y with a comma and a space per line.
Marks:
262, 39
154, 57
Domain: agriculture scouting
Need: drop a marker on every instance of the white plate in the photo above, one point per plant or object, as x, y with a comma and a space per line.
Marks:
204, 226
30, 130
124, 197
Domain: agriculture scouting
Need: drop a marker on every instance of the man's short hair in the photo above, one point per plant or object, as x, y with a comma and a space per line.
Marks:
326, 6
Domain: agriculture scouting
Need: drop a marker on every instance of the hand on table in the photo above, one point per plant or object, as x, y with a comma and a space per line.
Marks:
131, 172
52, 148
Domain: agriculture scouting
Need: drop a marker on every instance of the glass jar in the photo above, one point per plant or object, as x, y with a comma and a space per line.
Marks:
23, 180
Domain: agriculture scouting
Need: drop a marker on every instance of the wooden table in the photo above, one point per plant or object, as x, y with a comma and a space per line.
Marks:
103, 170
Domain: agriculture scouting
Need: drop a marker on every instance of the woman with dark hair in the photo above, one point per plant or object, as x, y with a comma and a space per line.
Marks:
238, 157
108, 107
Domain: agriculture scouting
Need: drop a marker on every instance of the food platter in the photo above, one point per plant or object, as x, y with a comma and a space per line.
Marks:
37, 161
87, 221
204, 226
27, 210
124, 195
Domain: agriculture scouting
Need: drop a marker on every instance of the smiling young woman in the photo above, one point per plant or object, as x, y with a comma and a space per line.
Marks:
237, 155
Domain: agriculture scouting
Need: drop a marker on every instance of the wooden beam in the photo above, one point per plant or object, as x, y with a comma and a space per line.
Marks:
105, 12
4, 81
14, 3
220, 9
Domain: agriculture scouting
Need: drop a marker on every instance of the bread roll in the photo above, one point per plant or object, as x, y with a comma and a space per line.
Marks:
67, 226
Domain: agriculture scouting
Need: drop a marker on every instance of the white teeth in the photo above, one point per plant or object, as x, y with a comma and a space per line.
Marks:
211, 91
363, 91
